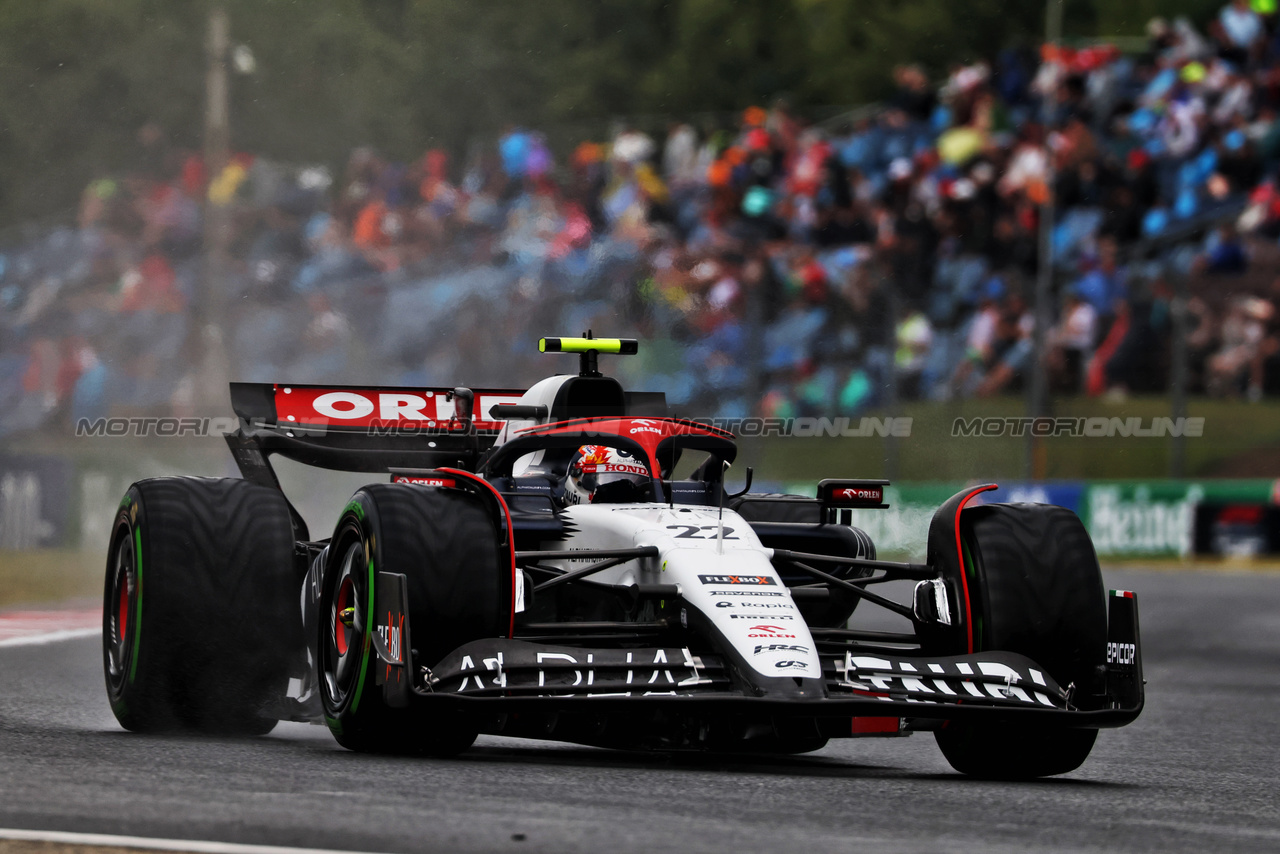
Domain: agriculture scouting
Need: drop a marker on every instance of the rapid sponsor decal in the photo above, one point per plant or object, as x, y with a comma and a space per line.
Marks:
737, 579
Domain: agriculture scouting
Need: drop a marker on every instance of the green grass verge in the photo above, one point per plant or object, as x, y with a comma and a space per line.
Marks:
49, 577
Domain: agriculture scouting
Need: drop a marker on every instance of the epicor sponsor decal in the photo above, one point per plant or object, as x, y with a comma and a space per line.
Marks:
736, 579
1121, 653
781, 647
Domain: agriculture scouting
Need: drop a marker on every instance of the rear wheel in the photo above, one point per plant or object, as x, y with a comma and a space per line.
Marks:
446, 544
200, 619
1034, 588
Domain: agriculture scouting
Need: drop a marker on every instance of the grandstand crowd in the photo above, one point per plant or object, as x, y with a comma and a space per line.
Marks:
774, 266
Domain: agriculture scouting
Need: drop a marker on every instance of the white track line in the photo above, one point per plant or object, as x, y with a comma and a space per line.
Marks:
48, 637
156, 844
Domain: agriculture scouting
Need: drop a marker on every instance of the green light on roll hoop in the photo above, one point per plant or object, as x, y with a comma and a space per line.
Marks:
621, 346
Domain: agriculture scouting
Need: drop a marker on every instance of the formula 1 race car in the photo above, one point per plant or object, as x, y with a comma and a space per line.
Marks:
566, 563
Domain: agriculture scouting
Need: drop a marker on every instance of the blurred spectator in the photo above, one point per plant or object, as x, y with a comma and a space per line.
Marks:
1072, 341
765, 251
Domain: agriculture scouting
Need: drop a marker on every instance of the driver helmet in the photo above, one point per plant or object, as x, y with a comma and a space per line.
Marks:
593, 467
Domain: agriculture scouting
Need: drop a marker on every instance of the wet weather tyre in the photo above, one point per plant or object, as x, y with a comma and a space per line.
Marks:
447, 545
200, 609
1034, 588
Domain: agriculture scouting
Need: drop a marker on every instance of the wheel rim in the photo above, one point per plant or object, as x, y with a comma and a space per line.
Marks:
346, 599
124, 587
344, 642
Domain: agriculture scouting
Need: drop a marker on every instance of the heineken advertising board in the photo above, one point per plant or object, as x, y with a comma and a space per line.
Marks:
1126, 519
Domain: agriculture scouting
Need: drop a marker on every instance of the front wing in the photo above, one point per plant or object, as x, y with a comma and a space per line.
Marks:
510, 675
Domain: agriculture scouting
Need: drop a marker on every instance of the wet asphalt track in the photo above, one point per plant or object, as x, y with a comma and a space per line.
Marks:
1197, 772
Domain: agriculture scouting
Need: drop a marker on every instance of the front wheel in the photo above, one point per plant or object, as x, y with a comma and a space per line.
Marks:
1027, 581
446, 544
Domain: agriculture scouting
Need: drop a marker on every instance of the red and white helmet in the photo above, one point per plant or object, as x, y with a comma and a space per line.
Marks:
596, 466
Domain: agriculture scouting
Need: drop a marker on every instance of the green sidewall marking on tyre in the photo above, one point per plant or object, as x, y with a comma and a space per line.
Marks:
137, 619
364, 653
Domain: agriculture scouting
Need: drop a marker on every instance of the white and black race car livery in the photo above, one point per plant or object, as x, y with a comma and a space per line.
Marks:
565, 562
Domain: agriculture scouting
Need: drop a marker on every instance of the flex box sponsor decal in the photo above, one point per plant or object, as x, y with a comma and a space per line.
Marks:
762, 580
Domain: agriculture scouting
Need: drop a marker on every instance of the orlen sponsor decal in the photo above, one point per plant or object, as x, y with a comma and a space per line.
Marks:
424, 481
736, 579
644, 425
849, 493
766, 631
401, 407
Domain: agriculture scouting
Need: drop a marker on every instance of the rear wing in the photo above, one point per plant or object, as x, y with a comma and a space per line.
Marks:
358, 428
361, 409
374, 429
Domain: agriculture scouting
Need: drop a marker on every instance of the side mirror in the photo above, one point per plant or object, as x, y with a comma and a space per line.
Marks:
745, 489
463, 402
